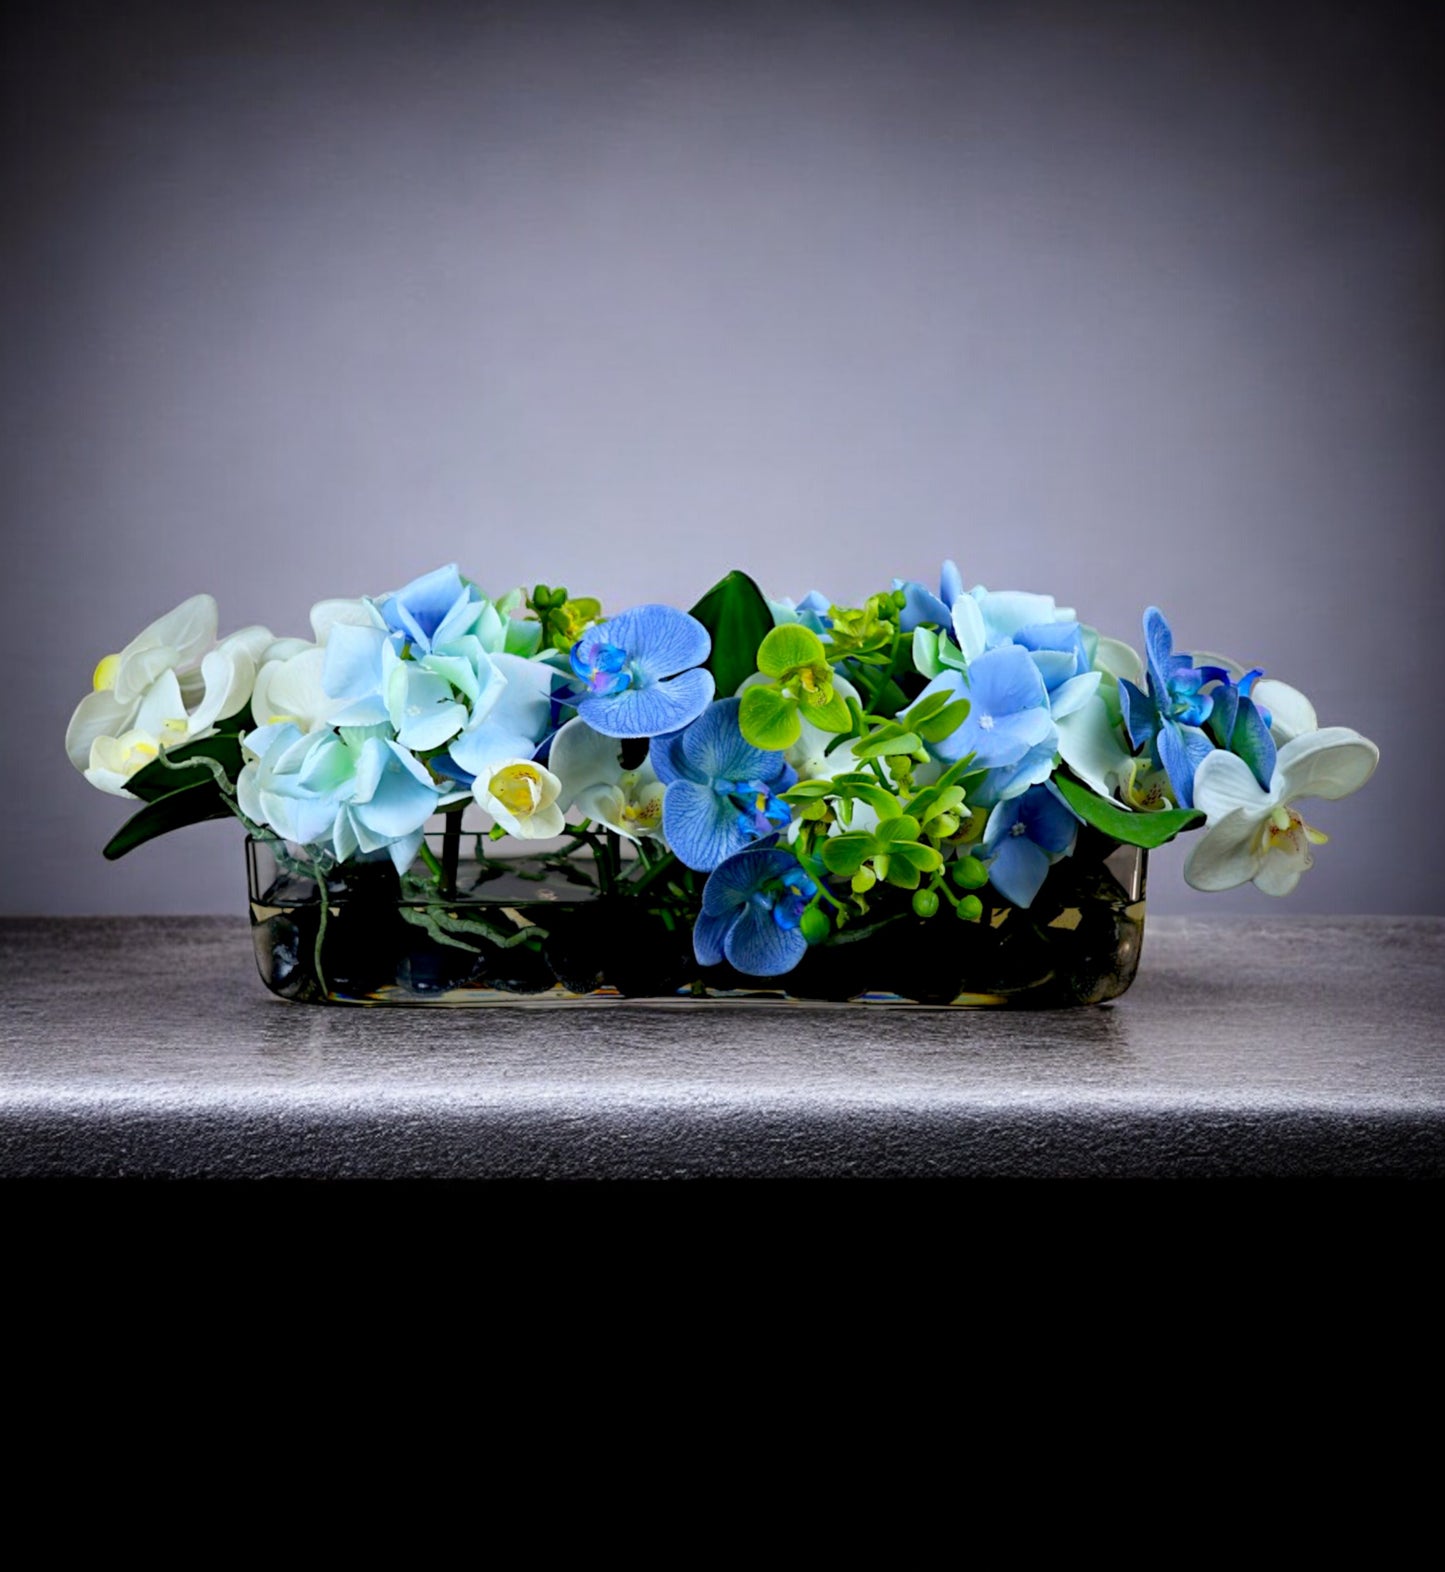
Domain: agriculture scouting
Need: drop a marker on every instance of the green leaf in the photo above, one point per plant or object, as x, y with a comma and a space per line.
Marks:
1148, 830
162, 779
887, 740
944, 723
922, 857
829, 715
844, 854
190, 805
768, 720
736, 616
933, 800
788, 647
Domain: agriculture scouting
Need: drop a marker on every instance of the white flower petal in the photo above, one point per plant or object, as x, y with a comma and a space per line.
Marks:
583, 758
1280, 870
1330, 763
1291, 714
1091, 747
99, 714
1224, 784
1117, 659
329, 614
1224, 856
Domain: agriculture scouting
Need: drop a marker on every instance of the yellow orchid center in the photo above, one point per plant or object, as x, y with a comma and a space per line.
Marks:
106, 673
518, 788
1286, 831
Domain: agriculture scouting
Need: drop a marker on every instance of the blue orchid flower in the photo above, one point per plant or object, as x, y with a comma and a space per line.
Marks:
722, 793
641, 672
1169, 718
752, 909
1022, 840
1242, 726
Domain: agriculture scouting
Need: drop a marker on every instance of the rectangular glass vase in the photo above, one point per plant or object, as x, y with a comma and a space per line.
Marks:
539, 931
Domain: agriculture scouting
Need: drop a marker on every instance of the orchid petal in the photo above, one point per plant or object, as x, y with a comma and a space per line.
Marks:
1331, 763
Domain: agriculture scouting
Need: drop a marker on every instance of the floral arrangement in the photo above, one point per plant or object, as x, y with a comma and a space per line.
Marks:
768, 775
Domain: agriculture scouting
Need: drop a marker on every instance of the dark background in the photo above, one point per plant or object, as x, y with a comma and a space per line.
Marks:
1130, 303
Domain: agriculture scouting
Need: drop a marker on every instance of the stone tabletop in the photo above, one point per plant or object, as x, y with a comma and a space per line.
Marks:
1279, 1046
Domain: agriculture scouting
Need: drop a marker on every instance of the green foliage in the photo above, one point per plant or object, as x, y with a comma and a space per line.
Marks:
192, 804
892, 852
769, 719
936, 716
168, 774
563, 619
737, 619
789, 649
1148, 830
771, 715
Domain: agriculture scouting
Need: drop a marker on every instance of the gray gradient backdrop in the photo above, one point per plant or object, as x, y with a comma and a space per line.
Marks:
1130, 303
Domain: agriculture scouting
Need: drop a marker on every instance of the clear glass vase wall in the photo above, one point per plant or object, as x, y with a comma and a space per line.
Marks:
525, 930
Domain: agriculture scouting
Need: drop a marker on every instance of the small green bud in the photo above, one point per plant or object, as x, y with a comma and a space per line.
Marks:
815, 926
970, 908
969, 873
925, 902
559, 597
863, 881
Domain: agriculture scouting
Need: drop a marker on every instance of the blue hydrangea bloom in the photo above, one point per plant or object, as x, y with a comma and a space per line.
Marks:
434, 610
349, 793
1024, 837
1009, 715
641, 672
752, 906
722, 793
923, 606
813, 612
1169, 718
1064, 663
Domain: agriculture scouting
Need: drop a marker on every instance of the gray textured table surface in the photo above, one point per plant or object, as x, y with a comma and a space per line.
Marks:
1284, 1046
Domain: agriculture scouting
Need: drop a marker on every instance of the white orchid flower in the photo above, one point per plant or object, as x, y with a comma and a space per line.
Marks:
1258, 835
589, 766
522, 797
166, 687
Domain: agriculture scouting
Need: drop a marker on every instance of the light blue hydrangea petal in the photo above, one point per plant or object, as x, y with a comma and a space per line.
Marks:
920, 606
700, 825
402, 798
1018, 870
651, 710
1005, 681
353, 666
950, 583
1074, 694
660, 640
1050, 822
420, 608
1005, 612
1054, 666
